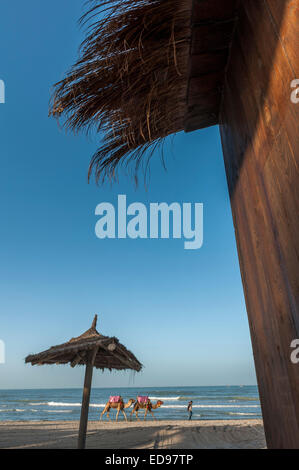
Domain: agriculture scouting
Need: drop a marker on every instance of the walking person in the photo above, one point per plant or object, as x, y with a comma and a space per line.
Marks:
189, 409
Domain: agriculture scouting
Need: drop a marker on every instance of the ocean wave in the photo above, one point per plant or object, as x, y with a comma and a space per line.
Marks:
229, 398
165, 398
9, 410
202, 398
226, 406
57, 411
38, 404
58, 403
23, 400
245, 398
54, 403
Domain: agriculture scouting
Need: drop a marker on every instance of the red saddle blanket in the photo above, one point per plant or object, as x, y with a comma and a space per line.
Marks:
115, 399
142, 400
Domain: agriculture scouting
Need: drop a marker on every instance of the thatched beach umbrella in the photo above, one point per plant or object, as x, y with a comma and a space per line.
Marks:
92, 350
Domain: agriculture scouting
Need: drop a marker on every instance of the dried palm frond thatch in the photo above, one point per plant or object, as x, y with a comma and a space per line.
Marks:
130, 79
110, 353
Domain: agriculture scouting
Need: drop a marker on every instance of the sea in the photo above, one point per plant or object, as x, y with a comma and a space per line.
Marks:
209, 403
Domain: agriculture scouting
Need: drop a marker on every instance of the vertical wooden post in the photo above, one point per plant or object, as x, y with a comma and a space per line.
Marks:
86, 399
85, 405
259, 131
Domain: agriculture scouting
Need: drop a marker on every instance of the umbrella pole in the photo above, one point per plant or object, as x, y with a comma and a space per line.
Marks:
85, 404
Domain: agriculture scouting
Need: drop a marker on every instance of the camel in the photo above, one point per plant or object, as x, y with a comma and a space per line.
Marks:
148, 407
119, 406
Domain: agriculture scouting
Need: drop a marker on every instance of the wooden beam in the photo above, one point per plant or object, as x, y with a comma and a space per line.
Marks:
211, 37
86, 398
288, 36
259, 131
198, 120
204, 10
207, 62
79, 357
212, 26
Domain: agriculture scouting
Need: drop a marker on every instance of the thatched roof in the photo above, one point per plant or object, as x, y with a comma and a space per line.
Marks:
111, 354
134, 79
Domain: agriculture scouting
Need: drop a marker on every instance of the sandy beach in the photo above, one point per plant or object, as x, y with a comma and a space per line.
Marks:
241, 434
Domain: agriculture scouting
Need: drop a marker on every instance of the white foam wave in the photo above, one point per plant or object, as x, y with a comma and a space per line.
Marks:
7, 410
57, 403
164, 398
38, 404
57, 411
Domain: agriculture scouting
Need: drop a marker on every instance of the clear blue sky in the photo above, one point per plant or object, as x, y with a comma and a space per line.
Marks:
181, 312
